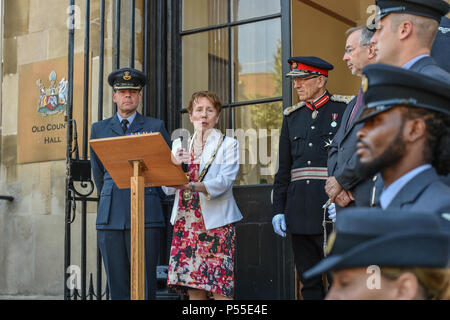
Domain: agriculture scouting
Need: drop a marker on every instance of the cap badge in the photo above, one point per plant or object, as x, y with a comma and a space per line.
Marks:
294, 65
126, 76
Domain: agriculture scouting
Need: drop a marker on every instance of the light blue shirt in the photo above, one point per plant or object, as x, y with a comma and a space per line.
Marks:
411, 62
390, 192
130, 119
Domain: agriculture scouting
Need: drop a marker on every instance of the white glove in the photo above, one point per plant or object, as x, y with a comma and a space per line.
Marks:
331, 211
279, 224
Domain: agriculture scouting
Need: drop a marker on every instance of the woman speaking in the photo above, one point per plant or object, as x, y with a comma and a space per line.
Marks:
204, 212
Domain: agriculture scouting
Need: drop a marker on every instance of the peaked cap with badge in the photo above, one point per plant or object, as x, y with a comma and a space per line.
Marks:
388, 86
389, 238
127, 78
301, 67
434, 9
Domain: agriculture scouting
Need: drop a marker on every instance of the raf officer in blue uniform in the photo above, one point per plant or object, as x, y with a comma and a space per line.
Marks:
406, 136
406, 32
113, 216
298, 194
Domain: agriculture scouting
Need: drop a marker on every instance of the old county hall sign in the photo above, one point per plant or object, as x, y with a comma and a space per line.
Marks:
43, 95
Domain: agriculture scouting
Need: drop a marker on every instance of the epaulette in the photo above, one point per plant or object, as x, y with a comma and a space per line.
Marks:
291, 109
340, 98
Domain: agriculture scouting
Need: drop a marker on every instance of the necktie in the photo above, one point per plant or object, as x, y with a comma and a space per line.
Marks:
358, 104
124, 125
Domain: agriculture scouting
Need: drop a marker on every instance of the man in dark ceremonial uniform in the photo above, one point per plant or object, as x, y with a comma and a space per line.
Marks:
298, 195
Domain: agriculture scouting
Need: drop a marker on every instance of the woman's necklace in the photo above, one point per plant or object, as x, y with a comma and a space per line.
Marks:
198, 149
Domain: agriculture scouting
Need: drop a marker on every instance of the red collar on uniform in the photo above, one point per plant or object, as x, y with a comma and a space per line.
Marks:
319, 102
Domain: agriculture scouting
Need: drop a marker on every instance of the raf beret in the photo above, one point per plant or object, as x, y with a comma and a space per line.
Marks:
389, 238
387, 86
127, 78
306, 66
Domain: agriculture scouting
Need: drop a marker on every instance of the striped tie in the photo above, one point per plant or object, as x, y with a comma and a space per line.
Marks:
124, 125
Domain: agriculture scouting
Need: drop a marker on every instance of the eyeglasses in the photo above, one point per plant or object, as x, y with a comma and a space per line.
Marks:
349, 50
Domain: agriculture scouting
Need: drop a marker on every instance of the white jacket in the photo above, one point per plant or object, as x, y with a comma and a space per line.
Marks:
219, 208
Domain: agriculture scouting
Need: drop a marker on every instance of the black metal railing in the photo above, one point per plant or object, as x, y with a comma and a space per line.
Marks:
79, 184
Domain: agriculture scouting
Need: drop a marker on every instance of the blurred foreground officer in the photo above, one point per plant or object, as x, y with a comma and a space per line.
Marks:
406, 137
387, 255
406, 33
113, 217
298, 194
344, 183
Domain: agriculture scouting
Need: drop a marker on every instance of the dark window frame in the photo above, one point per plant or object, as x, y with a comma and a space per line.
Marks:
284, 15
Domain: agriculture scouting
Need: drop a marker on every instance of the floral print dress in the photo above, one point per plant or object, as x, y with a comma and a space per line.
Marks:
199, 258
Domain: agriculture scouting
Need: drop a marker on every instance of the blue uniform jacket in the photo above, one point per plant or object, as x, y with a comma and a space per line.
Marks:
114, 206
429, 67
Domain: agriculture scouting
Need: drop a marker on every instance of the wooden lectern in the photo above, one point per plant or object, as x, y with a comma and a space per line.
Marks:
136, 162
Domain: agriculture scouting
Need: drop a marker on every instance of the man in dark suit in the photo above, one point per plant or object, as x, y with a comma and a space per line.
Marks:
405, 136
113, 217
344, 186
406, 32
298, 194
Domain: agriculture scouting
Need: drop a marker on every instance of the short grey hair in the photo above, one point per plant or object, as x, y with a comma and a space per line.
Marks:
365, 37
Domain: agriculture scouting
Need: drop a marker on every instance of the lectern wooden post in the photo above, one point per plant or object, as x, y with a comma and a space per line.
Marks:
137, 232
136, 162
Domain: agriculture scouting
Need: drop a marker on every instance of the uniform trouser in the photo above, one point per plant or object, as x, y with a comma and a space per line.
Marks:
308, 251
115, 249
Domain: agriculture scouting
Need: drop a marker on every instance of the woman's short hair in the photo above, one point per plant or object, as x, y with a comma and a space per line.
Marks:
211, 96
434, 282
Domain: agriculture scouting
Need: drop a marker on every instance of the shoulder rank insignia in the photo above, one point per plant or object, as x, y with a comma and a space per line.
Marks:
291, 109
340, 98
444, 30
